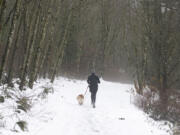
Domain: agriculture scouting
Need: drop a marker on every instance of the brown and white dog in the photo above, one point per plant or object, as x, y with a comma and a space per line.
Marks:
80, 99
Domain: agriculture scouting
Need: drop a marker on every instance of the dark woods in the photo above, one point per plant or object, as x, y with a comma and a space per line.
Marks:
120, 40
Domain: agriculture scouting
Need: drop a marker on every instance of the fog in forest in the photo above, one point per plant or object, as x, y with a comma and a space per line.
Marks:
127, 41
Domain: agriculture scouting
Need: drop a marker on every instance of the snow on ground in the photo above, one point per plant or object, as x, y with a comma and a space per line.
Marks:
114, 114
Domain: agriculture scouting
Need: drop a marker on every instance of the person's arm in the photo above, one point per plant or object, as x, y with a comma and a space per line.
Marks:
98, 79
88, 80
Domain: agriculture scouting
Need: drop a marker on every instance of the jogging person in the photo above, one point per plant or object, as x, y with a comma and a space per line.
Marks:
93, 81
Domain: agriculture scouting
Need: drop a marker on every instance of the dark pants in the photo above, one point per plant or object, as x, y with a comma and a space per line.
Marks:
93, 90
93, 97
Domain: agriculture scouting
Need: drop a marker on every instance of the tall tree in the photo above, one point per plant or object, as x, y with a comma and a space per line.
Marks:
11, 36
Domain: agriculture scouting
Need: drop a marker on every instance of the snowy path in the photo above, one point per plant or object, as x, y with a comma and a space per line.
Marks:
113, 103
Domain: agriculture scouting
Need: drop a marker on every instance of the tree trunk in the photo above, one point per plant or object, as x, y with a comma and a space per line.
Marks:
2, 8
104, 35
62, 47
30, 44
79, 53
10, 72
11, 36
39, 49
47, 51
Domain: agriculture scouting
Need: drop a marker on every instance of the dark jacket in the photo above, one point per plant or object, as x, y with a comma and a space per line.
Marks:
93, 81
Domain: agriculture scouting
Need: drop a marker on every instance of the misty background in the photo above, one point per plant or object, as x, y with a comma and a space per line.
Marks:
129, 41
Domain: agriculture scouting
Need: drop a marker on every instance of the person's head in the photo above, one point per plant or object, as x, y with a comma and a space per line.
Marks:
93, 73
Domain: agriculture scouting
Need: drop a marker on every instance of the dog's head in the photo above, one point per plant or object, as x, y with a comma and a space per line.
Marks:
80, 99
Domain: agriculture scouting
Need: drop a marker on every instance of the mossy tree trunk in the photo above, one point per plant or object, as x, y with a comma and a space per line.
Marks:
30, 47
2, 8
10, 71
11, 34
40, 47
62, 47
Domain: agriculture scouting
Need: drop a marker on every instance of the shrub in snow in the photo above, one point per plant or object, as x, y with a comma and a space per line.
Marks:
16, 111
11, 84
46, 91
24, 104
22, 125
176, 129
2, 123
4, 78
150, 102
146, 100
1, 99
173, 109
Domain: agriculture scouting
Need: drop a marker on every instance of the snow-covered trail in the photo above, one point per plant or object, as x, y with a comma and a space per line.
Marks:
114, 113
